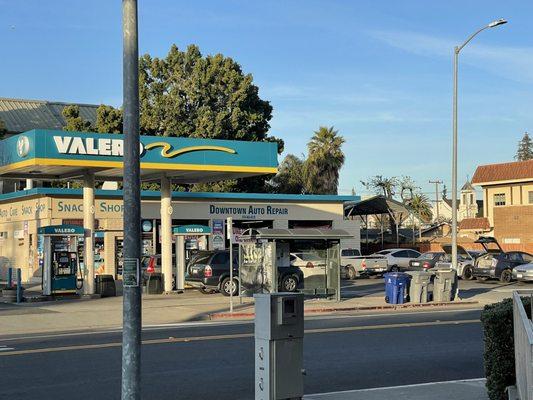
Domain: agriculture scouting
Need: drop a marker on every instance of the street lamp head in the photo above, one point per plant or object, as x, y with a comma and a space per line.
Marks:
496, 23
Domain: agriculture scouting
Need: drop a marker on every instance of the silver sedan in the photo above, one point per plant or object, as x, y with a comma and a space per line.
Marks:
523, 272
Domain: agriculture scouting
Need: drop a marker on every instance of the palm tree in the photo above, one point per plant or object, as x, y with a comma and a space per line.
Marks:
324, 161
421, 206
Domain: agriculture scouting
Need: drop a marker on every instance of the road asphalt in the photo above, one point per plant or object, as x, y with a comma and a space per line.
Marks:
215, 359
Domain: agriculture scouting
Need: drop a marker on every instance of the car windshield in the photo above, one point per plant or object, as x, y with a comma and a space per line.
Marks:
383, 252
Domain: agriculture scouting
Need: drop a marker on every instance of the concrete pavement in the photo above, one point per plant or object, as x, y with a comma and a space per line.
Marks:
361, 296
469, 389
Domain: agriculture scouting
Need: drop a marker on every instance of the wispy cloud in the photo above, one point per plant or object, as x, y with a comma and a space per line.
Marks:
515, 63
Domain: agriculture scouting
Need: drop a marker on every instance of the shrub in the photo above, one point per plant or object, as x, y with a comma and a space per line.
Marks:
497, 320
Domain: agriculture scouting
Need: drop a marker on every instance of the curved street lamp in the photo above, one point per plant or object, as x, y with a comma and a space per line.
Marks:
457, 49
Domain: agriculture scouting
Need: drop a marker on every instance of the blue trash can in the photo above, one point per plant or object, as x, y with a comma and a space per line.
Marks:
396, 287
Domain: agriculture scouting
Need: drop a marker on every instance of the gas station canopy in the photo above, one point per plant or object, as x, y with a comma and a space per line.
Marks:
61, 155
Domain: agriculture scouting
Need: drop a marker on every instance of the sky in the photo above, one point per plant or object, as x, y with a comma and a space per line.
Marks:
379, 71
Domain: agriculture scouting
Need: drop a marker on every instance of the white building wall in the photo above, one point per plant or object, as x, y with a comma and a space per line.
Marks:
280, 224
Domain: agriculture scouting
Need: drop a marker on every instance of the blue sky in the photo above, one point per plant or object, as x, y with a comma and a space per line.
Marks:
379, 71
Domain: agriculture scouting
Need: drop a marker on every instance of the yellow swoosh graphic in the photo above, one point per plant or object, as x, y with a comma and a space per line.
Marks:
166, 153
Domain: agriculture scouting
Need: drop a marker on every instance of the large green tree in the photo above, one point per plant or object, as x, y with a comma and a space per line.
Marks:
3, 129
74, 121
525, 148
290, 176
187, 94
324, 161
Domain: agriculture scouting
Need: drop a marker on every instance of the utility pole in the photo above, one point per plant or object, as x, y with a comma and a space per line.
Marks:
437, 183
131, 310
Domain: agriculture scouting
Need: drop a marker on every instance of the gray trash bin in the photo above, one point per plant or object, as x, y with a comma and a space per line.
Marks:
445, 285
419, 289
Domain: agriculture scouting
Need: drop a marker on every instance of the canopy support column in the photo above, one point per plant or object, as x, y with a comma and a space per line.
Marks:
88, 226
166, 233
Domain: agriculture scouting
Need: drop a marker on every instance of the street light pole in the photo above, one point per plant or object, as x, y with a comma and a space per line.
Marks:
131, 309
456, 51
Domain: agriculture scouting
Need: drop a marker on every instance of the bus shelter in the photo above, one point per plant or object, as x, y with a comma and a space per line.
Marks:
316, 252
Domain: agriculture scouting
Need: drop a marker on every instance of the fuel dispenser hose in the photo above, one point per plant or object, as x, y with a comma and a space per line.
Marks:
80, 278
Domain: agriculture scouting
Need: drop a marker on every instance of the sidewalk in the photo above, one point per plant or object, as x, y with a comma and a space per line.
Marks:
472, 389
106, 313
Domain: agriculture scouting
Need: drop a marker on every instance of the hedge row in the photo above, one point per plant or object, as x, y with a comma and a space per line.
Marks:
497, 320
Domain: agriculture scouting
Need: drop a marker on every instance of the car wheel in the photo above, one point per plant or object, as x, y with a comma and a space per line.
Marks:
394, 268
289, 284
482, 278
506, 276
226, 287
468, 274
351, 273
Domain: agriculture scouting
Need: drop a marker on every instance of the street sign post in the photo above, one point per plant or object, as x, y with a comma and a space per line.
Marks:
229, 229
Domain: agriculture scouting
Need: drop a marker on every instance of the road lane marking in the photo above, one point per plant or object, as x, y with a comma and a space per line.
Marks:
374, 389
198, 324
237, 336
5, 348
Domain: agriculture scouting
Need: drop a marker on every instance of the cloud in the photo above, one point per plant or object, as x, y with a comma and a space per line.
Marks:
514, 63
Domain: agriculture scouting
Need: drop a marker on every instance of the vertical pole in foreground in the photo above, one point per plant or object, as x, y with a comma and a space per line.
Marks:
454, 161
131, 331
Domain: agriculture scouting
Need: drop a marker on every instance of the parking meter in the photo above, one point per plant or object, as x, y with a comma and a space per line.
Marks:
279, 332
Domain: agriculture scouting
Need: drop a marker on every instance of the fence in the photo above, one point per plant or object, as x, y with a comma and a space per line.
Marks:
523, 347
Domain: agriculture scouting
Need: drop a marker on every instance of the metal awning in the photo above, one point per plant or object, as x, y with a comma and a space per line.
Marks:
375, 205
302, 233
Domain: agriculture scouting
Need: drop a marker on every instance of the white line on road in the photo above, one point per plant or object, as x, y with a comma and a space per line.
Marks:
395, 387
5, 348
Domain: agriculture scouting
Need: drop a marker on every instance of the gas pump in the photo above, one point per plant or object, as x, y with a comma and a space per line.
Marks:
59, 259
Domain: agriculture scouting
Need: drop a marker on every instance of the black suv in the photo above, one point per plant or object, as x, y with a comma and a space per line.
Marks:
208, 271
496, 263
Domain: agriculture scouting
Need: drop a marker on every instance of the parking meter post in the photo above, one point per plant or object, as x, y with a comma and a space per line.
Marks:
19, 285
279, 334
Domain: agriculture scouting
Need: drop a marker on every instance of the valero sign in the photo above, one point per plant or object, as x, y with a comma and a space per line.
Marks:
191, 230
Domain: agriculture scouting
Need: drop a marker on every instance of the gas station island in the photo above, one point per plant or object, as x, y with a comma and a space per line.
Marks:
53, 229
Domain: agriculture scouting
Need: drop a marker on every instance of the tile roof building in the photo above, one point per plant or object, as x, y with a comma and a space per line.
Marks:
508, 198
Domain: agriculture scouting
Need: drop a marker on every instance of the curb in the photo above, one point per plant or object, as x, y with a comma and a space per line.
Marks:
237, 315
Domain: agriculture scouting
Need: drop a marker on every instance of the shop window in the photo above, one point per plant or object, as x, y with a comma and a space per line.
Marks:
499, 199
530, 194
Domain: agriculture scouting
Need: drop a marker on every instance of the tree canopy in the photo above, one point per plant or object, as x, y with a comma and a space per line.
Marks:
525, 148
289, 178
324, 161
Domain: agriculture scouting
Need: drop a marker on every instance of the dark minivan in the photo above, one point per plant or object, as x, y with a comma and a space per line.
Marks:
209, 272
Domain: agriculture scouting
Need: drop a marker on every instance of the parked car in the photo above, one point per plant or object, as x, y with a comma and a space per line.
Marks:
209, 271
476, 253
425, 261
152, 264
398, 259
523, 272
465, 261
498, 264
353, 264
